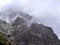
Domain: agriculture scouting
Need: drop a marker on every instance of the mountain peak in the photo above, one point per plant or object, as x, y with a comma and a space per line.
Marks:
18, 32
10, 15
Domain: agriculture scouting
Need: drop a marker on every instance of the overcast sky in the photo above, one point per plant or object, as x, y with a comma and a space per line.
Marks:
47, 11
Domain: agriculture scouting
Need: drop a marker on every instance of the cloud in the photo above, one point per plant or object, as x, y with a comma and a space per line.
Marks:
4, 2
20, 2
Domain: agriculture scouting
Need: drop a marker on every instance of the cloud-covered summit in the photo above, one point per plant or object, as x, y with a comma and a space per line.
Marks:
47, 11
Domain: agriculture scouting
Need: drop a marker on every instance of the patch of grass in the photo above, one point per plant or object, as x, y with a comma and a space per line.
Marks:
3, 41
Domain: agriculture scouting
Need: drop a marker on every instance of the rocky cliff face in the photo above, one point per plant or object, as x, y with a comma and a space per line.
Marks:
35, 34
19, 33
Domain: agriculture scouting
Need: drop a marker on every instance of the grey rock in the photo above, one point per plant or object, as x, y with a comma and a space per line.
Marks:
36, 34
19, 33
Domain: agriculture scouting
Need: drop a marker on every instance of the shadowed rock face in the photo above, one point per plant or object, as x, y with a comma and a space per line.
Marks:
19, 33
18, 21
36, 34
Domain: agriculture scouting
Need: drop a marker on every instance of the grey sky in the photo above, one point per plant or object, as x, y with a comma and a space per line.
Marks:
47, 11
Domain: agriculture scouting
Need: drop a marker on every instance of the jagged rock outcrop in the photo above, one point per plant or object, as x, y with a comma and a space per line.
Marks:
36, 34
22, 30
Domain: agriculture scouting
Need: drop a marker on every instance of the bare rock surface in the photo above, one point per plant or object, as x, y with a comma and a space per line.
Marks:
18, 32
36, 34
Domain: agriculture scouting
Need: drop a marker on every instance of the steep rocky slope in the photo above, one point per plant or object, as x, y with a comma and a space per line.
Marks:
36, 34
22, 30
